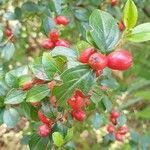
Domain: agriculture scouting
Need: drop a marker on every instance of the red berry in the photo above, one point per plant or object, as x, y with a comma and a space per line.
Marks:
48, 44
27, 86
110, 128
8, 32
114, 114
121, 26
85, 55
44, 130
123, 130
120, 60
113, 120
43, 118
54, 35
114, 2
78, 115
51, 85
62, 42
98, 61
118, 136
38, 81
78, 93
36, 104
61, 20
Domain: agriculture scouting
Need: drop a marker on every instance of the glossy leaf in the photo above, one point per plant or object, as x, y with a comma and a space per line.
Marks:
15, 97
130, 14
104, 32
140, 33
37, 93
80, 77
58, 139
10, 117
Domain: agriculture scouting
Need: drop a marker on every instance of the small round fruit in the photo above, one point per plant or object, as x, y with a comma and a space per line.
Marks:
118, 137
98, 61
43, 118
85, 55
48, 44
120, 60
123, 130
78, 115
61, 20
110, 128
8, 32
114, 114
44, 130
121, 26
79, 93
62, 42
54, 35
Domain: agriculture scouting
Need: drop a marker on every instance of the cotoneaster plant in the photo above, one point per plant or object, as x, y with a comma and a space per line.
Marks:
66, 86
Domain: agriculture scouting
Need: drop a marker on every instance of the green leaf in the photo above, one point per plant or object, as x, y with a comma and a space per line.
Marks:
8, 51
130, 14
38, 143
38, 69
140, 33
10, 117
144, 113
3, 88
30, 7
80, 77
97, 120
104, 32
15, 97
143, 94
82, 45
1, 35
37, 93
107, 103
69, 135
58, 139
48, 24
121, 120
57, 4
50, 65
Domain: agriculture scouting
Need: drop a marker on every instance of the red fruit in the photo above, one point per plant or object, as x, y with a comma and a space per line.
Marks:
44, 130
36, 104
121, 26
38, 81
61, 20
43, 118
114, 114
78, 93
98, 61
48, 44
85, 55
110, 128
113, 120
54, 35
51, 85
123, 130
118, 136
114, 2
8, 32
27, 86
78, 115
120, 60
62, 42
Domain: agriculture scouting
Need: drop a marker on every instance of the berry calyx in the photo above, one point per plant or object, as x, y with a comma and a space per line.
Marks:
121, 26
54, 35
44, 130
62, 42
98, 61
123, 130
61, 20
85, 55
43, 118
110, 128
119, 60
48, 44
114, 2
78, 115
118, 137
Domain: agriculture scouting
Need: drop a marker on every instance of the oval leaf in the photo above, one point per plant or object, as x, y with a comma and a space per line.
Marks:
104, 32
58, 139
